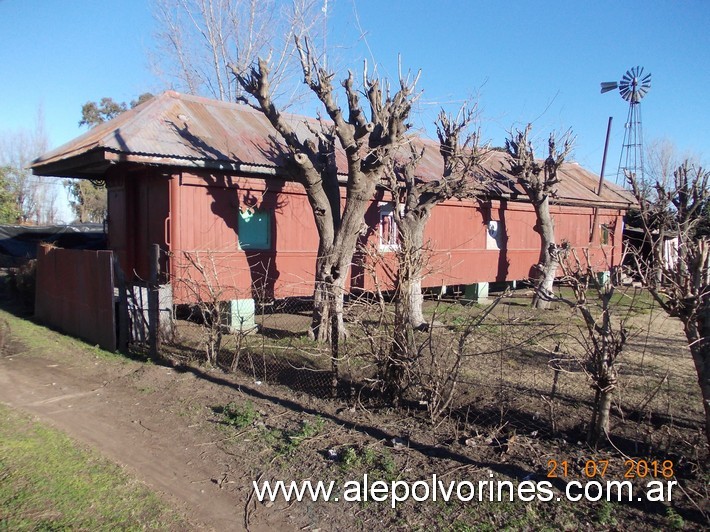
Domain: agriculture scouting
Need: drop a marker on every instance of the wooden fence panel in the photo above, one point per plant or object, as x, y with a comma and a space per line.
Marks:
75, 293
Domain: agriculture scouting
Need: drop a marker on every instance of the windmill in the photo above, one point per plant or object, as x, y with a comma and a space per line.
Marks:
632, 87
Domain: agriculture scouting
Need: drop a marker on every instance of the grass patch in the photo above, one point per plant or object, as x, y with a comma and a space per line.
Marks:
240, 416
625, 299
289, 441
283, 442
47, 482
378, 464
38, 339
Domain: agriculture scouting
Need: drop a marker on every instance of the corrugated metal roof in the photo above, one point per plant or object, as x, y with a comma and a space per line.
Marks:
179, 130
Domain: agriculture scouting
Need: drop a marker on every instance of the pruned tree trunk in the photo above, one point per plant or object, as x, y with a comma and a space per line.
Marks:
600, 418
397, 366
604, 347
328, 305
408, 311
337, 247
605, 378
414, 200
603, 343
540, 184
549, 262
698, 334
411, 268
416, 303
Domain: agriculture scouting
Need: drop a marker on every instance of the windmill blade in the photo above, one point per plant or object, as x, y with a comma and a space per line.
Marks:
609, 86
633, 85
644, 86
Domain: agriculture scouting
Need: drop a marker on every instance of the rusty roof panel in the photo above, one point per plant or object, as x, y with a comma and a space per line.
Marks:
198, 131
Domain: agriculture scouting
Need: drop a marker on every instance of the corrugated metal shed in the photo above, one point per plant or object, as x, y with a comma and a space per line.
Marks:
173, 129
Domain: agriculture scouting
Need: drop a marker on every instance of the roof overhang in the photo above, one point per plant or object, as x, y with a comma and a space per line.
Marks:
95, 163
91, 164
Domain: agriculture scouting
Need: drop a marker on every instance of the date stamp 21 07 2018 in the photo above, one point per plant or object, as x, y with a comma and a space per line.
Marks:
631, 469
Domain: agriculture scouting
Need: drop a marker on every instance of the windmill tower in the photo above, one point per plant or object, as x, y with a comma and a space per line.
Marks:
632, 87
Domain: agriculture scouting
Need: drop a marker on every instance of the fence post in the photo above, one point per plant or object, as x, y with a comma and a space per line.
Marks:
123, 319
153, 301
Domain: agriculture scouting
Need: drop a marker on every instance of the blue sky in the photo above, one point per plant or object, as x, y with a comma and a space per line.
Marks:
538, 62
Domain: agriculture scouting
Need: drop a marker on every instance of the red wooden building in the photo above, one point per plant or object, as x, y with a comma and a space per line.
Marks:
204, 180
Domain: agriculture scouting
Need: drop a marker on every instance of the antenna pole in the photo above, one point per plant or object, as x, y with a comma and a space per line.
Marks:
601, 180
606, 149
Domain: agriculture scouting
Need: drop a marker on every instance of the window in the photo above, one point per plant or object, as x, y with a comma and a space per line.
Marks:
494, 234
254, 229
604, 235
387, 228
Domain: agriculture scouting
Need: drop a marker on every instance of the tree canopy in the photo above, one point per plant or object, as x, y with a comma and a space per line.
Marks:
8, 207
95, 113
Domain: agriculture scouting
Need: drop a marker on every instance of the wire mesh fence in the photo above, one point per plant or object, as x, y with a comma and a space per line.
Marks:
519, 370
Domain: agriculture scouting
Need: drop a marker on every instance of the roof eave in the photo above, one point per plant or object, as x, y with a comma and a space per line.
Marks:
88, 165
95, 163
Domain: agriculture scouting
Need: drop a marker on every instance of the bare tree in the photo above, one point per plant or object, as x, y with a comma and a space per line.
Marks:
674, 222
35, 200
661, 160
202, 42
603, 336
8, 209
369, 145
540, 184
201, 279
414, 199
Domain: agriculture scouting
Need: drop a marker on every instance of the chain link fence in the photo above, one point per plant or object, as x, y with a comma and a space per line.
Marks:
518, 371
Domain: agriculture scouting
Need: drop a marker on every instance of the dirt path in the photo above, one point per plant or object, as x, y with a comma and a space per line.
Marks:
135, 426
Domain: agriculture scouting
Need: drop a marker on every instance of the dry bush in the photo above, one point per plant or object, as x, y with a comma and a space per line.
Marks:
201, 277
22, 281
431, 374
